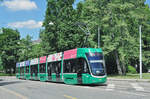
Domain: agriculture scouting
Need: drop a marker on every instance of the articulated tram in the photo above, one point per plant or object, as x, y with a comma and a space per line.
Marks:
76, 66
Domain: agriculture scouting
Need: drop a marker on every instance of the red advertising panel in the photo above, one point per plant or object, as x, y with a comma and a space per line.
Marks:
43, 59
70, 54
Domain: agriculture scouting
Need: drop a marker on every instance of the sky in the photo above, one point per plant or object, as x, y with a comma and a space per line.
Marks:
25, 15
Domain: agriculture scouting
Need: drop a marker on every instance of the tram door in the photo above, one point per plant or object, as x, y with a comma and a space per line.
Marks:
79, 70
49, 66
36, 70
31, 70
82, 68
58, 71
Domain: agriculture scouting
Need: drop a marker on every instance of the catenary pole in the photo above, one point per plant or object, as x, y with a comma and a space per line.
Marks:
98, 37
140, 52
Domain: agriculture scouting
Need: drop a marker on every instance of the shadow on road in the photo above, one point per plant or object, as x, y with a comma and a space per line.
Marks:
8, 83
91, 85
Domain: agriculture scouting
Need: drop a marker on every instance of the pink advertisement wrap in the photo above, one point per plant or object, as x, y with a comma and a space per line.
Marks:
43, 59
70, 54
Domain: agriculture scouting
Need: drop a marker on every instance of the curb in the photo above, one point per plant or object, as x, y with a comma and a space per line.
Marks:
130, 80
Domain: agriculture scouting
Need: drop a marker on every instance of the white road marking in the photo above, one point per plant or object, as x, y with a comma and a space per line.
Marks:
13, 92
137, 87
136, 94
110, 87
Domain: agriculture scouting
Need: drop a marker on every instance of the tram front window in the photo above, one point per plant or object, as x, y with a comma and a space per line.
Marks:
96, 63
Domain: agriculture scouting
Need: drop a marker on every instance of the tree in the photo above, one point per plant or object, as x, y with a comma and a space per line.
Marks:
25, 48
9, 39
1, 67
63, 34
119, 21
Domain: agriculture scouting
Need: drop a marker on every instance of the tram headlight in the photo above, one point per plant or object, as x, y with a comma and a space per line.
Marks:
98, 72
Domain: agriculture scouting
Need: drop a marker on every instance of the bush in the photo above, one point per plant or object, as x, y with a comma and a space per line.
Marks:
131, 70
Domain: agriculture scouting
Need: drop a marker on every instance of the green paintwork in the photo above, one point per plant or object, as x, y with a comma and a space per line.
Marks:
88, 79
81, 51
17, 75
54, 77
28, 75
24, 76
70, 78
34, 77
21, 76
43, 76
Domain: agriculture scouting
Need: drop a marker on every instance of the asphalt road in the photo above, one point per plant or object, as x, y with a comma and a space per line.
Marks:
12, 88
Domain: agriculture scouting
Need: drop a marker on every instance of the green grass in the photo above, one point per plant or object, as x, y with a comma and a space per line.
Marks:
3, 74
131, 76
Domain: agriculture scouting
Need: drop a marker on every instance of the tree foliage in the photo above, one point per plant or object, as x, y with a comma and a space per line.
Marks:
62, 34
119, 21
9, 46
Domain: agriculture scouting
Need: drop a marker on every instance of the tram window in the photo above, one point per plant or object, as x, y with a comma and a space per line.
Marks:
82, 65
27, 69
22, 70
31, 70
56, 67
76, 66
53, 67
42, 68
70, 66
36, 68
49, 68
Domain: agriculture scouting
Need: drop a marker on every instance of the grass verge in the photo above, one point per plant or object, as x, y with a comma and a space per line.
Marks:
3, 74
131, 76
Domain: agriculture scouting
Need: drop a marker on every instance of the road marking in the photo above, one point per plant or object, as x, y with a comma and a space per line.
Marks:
137, 87
70, 97
110, 87
13, 92
136, 94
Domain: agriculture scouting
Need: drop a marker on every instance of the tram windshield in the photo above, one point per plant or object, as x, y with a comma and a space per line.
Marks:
96, 63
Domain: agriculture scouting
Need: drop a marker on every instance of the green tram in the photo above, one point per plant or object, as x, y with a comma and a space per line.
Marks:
76, 66
17, 70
